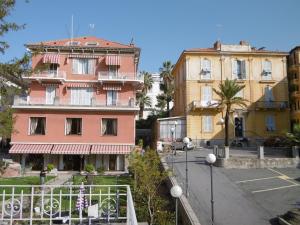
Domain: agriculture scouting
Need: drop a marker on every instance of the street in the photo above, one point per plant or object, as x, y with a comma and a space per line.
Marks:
242, 196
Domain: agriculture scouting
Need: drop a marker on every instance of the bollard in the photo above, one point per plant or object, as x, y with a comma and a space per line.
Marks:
295, 152
260, 152
215, 150
226, 153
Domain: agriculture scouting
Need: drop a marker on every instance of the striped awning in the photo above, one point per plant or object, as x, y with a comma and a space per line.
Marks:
80, 85
30, 149
113, 60
71, 149
86, 56
51, 58
111, 87
111, 149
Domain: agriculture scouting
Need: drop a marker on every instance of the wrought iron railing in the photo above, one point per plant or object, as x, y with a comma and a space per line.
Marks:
272, 104
67, 204
49, 74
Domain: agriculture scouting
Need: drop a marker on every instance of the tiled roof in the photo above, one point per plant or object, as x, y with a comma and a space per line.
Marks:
82, 42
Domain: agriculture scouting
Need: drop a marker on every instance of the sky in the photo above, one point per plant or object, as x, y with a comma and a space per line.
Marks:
161, 28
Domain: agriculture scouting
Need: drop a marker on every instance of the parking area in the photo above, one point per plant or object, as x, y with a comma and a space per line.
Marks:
277, 190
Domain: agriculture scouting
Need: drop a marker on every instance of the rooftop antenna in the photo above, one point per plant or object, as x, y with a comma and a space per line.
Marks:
91, 26
72, 29
131, 41
219, 27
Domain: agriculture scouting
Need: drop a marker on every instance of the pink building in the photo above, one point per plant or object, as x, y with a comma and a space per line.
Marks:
80, 107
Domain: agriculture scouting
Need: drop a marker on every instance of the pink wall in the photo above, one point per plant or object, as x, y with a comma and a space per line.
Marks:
91, 127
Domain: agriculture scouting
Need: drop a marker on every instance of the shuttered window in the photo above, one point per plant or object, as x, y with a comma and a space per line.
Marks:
83, 66
207, 125
206, 93
239, 69
267, 70
269, 94
270, 123
81, 96
206, 69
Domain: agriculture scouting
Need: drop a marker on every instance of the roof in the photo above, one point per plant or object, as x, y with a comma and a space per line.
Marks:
253, 50
82, 42
295, 48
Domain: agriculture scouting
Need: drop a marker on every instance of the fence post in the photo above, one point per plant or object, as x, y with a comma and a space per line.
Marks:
260, 152
226, 152
295, 152
215, 150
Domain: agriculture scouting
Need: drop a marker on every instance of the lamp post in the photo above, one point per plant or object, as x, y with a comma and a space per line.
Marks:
173, 146
211, 159
175, 124
186, 141
176, 192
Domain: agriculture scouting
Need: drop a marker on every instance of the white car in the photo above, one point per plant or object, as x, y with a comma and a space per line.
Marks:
179, 145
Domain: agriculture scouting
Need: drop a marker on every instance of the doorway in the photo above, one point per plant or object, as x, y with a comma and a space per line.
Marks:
239, 127
112, 162
72, 162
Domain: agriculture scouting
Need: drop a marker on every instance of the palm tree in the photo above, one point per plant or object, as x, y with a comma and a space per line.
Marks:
294, 137
227, 93
142, 100
148, 81
168, 82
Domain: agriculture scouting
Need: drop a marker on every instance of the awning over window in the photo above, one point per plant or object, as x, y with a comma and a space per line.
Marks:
51, 58
71, 149
81, 85
86, 56
111, 149
30, 148
110, 87
113, 60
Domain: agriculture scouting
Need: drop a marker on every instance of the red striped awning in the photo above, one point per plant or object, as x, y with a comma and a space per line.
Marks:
51, 58
71, 149
113, 60
80, 85
110, 87
31, 149
111, 149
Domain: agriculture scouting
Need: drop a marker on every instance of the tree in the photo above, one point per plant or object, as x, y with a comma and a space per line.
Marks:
227, 93
167, 86
294, 137
149, 177
142, 98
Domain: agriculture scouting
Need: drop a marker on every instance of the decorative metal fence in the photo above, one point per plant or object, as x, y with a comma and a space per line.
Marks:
70, 204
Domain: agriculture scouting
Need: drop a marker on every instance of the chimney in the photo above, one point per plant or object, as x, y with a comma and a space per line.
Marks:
244, 43
217, 45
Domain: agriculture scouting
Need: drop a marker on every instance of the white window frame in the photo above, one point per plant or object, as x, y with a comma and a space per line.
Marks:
234, 69
205, 69
29, 125
81, 133
90, 63
266, 72
203, 100
206, 129
110, 135
117, 97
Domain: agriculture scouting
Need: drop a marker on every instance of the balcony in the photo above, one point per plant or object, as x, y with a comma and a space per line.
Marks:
203, 104
271, 105
56, 103
49, 75
106, 76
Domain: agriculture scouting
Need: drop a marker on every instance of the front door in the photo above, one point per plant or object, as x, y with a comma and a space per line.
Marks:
239, 127
72, 162
112, 162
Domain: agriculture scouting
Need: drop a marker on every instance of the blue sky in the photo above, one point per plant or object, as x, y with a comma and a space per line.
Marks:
161, 28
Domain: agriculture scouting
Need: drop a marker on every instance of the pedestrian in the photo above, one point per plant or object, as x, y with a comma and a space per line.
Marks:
43, 176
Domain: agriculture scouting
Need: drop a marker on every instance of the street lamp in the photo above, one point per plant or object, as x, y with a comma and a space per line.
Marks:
175, 124
186, 141
173, 146
176, 192
211, 159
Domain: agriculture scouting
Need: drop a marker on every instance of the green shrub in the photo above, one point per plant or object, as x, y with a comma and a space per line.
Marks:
141, 143
100, 170
50, 167
89, 168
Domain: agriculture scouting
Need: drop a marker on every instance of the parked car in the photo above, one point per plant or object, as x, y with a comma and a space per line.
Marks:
179, 145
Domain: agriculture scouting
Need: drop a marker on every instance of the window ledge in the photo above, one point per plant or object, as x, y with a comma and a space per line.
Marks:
241, 80
267, 81
205, 81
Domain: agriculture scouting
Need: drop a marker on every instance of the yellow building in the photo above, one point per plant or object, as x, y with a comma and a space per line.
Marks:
264, 74
294, 83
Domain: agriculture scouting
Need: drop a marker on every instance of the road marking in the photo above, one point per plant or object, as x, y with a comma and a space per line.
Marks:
272, 189
264, 178
275, 171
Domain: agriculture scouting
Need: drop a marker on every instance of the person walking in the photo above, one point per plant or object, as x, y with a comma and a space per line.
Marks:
43, 174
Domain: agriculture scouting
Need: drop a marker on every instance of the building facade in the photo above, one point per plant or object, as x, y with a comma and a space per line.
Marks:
264, 75
294, 83
80, 106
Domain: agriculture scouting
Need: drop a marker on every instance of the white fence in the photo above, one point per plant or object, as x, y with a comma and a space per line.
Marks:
69, 204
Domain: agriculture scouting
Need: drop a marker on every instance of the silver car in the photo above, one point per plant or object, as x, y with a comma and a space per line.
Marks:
179, 145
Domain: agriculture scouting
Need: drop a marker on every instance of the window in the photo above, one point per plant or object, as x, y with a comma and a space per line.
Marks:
37, 125
269, 94
109, 127
50, 95
111, 97
239, 69
81, 96
240, 94
267, 70
73, 126
52, 70
112, 71
207, 123
92, 43
206, 95
270, 123
206, 69
83, 66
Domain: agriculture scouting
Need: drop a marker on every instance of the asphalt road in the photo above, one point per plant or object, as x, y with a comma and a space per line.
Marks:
242, 196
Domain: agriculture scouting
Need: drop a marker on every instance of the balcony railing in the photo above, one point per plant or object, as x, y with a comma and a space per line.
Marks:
41, 101
107, 76
204, 104
49, 74
61, 204
271, 105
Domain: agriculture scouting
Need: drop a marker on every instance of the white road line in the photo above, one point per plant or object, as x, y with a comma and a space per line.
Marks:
275, 171
257, 179
272, 189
